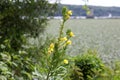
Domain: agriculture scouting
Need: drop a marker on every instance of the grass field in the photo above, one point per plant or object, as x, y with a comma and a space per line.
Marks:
102, 35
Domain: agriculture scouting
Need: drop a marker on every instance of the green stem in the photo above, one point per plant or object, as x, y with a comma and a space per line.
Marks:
61, 31
48, 75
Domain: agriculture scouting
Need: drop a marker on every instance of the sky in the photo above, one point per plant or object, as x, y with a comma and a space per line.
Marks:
107, 3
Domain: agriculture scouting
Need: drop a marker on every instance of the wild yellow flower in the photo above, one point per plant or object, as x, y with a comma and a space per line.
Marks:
65, 61
51, 46
68, 42
51, 49
67, 17
63, 39
69, 12
71, 34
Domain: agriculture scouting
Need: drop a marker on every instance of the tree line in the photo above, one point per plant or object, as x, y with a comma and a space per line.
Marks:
97, 10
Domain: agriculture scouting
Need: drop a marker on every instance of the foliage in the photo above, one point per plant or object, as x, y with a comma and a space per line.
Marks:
54, 61
116, 75
20, 62
90, 67
15, 65
87, 66
94, 37
19, 18
111, 73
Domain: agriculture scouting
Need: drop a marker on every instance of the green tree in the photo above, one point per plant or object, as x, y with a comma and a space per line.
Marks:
20, 18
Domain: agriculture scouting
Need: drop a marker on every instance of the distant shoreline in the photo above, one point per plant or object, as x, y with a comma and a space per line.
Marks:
84, 17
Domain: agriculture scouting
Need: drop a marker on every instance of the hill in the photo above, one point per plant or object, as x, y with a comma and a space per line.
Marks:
97, 10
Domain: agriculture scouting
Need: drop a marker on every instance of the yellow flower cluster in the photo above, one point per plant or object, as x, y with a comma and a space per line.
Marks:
71, 34
67, 42
68, 14
51, 48
65, 61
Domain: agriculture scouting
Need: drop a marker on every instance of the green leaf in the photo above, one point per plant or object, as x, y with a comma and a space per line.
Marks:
27, 74
3, 77
64, 9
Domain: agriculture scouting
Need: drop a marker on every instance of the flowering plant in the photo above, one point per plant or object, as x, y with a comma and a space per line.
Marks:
56, 61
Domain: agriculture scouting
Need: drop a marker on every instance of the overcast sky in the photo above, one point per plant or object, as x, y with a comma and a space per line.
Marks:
92, 2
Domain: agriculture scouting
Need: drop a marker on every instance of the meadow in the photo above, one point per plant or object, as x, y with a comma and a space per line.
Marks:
102, 35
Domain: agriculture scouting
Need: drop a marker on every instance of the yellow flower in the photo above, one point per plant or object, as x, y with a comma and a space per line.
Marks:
51, 46
67, 17
71, 34
65, 61
68, 42
69, 12
63, 39
50, 50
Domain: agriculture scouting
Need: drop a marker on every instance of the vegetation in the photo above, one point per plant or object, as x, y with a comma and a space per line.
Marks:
54, 61
90, 65
20, 19
78, 10
103, 38
20, 61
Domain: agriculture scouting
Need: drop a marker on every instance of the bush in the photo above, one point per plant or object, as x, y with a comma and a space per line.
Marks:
87, 66
116, 75
20, 18
15, 65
